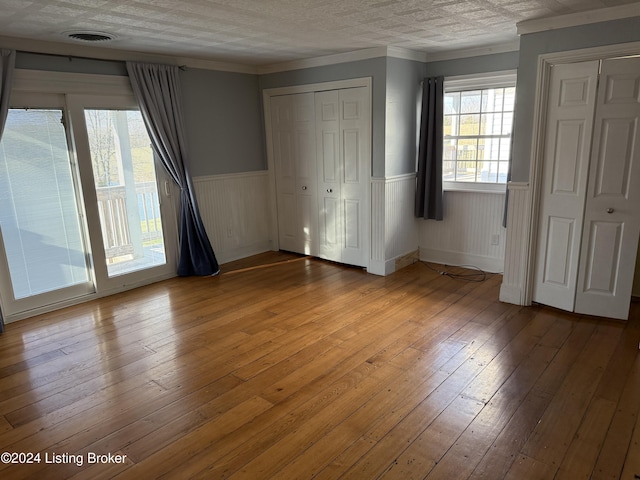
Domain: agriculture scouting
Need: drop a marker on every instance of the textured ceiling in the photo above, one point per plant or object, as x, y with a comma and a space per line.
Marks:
259, 32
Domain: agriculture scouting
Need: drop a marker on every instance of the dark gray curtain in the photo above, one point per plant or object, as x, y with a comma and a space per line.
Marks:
429, 178
506, 193
7, 65
506, 199
157, 91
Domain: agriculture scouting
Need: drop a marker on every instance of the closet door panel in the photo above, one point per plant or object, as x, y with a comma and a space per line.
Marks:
283, 148
353, 212
330, 218
569, 126
293, 133
355, 126
612, 213
306, 173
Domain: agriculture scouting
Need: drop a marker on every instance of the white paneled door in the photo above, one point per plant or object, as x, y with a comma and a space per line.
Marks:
330, 169
322, 155
294, 145
567, 145
589, 204
355, 143
612, 216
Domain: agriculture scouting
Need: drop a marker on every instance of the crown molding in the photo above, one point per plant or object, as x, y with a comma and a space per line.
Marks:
357, 55
99, 52
407, 54
506, 47
346, 57
581, 18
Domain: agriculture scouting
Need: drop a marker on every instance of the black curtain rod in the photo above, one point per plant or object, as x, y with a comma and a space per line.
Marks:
78, 57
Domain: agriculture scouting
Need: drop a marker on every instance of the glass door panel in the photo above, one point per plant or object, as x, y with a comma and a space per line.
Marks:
126, 190
40, 221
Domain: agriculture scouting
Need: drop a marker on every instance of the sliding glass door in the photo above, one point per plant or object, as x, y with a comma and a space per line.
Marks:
81, 213
43, 240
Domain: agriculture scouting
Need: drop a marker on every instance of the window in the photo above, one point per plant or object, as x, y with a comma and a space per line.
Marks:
478, 119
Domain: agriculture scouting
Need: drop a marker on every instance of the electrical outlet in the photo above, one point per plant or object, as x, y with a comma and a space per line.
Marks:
495, 239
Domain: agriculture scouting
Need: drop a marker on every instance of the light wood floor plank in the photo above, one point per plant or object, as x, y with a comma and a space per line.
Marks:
583, 451
288, 367
483, 431
506, 449
552, 436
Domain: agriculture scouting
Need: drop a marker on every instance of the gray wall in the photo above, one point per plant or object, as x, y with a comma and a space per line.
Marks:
535, 44
222, 112
223, 118
375, 68
404, 78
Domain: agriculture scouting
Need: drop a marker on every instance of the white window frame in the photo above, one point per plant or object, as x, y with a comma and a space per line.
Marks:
506, 78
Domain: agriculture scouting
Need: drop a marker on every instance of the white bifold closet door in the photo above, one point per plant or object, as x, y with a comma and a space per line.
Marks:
294, 146
590, 200
322, 151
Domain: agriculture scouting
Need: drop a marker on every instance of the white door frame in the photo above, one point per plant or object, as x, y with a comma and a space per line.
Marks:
545, 63
312, 87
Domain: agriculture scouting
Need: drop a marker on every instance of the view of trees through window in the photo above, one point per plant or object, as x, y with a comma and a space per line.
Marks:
477, 135
126, 190
101, 125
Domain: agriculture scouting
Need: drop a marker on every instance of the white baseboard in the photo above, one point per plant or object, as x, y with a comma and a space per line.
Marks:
511, 294
387, 267
377, 267
226, 256
488, 264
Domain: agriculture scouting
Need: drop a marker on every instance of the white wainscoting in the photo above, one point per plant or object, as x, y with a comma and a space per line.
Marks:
394, 228
235, 212
514, 280
235, 209
376, 265
468, 234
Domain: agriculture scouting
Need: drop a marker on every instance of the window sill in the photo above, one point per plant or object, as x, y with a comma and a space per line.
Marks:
474, 187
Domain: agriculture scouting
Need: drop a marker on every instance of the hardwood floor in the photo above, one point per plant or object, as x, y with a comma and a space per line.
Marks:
307, 369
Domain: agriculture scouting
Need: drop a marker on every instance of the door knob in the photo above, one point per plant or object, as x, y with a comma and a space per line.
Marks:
329, 190
304, 187
610, 210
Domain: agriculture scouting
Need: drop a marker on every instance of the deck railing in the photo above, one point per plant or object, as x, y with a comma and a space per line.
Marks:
116, 220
